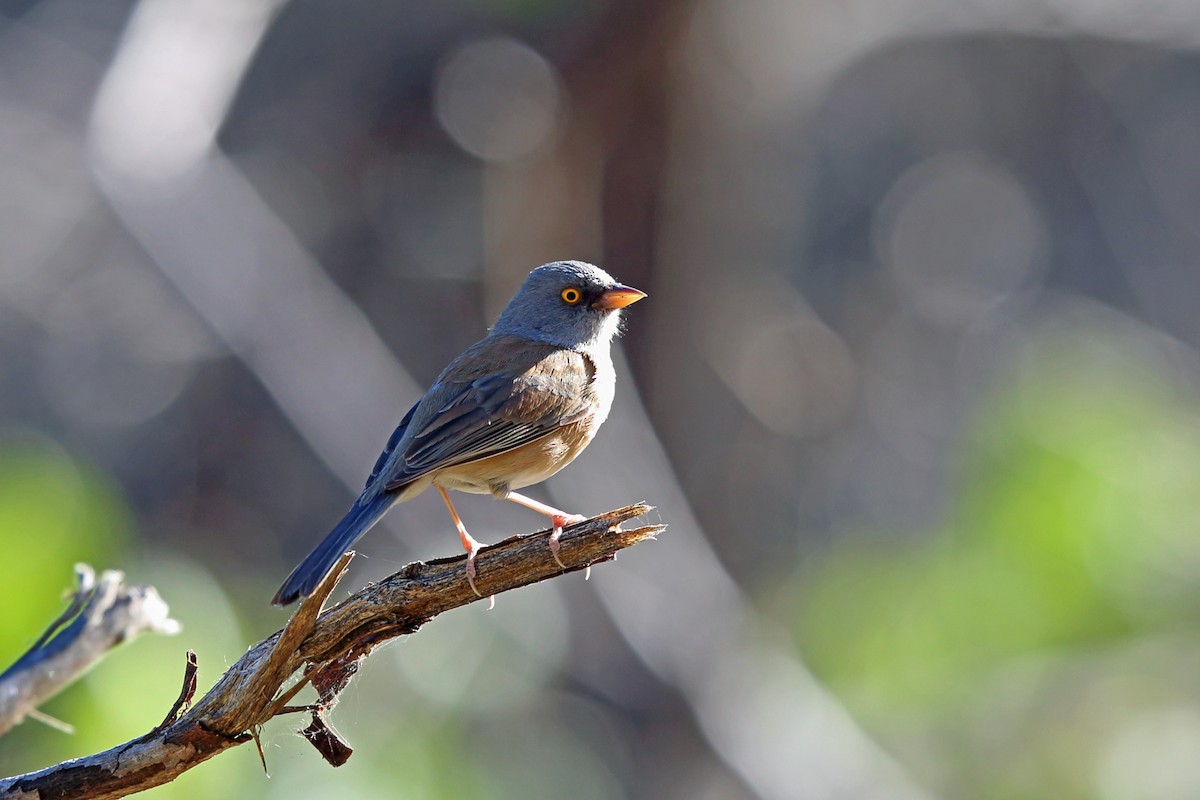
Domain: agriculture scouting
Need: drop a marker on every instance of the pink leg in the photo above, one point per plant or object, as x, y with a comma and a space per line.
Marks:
468, 542
559, 519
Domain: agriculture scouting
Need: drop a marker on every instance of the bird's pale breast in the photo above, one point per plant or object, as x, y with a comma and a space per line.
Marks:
522, 466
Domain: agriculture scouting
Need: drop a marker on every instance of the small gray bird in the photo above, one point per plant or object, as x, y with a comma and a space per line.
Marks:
512, 410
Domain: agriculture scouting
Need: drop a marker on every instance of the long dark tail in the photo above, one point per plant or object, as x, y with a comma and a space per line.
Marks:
358, 520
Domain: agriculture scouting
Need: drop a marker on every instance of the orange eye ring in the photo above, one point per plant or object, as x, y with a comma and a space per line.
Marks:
571, 296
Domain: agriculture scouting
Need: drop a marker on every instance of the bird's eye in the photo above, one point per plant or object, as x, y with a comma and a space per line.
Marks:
571, 295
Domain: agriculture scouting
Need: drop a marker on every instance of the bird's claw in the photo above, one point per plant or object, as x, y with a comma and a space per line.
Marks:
560, 521
472, 550
471, 570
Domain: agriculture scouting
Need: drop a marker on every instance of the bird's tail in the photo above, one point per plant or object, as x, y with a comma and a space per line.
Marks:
358, 520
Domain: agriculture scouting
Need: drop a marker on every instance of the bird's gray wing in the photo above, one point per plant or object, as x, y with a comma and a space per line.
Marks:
501, 393
390, 447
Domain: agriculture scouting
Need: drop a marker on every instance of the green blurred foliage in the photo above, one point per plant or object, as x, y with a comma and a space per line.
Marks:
54, 512
1018, 649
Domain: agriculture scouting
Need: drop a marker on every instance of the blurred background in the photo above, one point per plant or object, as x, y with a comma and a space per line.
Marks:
917, 387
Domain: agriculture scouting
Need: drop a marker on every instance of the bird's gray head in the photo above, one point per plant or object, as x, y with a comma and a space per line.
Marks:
568, 304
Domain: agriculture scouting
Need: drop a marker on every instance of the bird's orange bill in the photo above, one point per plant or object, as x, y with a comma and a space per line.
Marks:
618, 297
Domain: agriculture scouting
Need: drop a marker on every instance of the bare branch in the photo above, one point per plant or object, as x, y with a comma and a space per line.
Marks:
99, 617
324, 648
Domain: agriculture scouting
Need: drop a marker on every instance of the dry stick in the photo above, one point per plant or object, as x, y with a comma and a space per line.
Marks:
101, 615
325, 648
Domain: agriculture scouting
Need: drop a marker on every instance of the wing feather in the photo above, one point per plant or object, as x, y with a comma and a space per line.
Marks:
473, 413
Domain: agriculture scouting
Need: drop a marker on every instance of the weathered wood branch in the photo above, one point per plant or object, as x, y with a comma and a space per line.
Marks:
101, 615
322, 648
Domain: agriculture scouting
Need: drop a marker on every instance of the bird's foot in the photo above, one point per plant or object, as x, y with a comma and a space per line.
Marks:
471, 545
472, 550
560, 521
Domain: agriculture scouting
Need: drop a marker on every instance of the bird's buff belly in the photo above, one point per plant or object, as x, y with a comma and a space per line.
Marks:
523, 466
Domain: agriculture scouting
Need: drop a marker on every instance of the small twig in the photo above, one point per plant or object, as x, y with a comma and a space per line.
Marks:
186, 693
324, 647
101, 614
51, 722
262, 757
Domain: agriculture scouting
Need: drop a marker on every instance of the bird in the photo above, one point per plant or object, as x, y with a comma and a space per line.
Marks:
508, 412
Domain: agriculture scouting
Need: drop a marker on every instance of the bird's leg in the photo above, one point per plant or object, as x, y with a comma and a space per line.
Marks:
558, 519
469, 543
